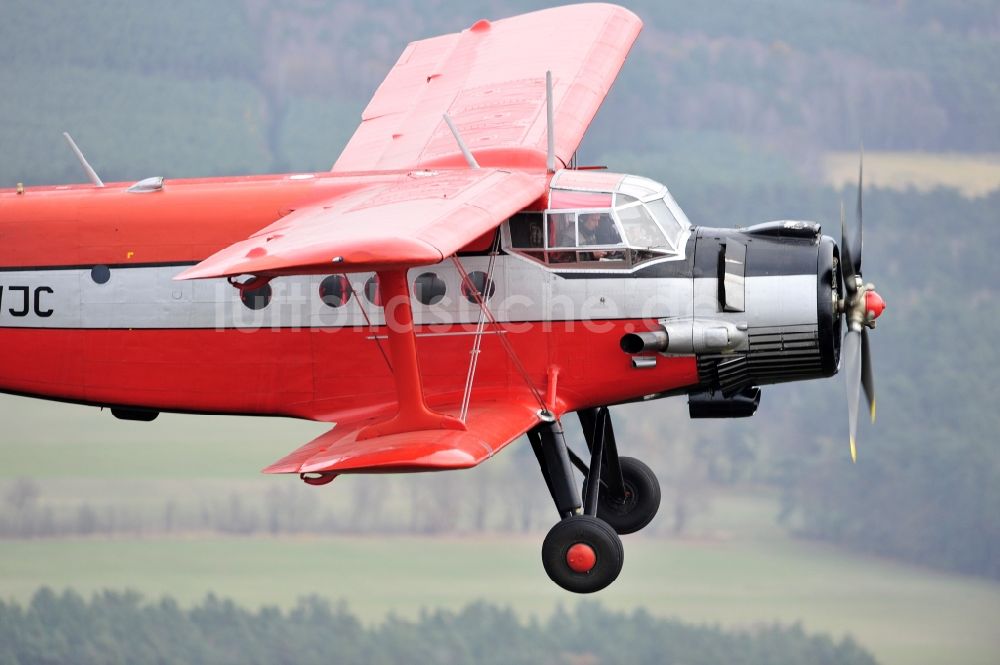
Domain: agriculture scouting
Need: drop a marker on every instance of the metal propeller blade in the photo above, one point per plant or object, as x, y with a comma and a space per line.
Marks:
852, 374
867, 375
858, 235
846, 261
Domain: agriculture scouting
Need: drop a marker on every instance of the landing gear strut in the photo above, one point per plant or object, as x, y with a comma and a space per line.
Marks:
629, 491
583, 553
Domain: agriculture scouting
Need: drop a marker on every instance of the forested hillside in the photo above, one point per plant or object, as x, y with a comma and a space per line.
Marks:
731, 104
746, 92
120, 627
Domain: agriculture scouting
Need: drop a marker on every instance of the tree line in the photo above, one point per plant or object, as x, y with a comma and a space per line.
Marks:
120, 627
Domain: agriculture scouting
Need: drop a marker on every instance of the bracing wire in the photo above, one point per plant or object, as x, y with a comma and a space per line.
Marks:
500, 334
480, 325
368, 321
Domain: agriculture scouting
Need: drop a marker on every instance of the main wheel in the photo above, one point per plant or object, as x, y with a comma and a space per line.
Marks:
582, 554
642, 498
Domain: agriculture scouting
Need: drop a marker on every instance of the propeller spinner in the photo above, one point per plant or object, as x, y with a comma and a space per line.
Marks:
861, 306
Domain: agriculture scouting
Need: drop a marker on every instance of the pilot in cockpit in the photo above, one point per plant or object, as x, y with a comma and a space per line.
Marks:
598, 229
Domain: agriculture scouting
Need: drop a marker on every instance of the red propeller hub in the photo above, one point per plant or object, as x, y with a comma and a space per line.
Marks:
874, 303
581, 558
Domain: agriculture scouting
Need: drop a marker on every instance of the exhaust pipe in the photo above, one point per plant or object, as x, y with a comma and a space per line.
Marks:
686, 336
645, 342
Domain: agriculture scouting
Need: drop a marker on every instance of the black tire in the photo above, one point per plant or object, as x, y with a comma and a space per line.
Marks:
590, 531
642, 498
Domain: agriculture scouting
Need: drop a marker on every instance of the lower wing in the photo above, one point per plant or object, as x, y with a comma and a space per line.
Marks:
490, 427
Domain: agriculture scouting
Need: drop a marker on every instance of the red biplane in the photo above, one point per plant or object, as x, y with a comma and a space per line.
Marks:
453, 283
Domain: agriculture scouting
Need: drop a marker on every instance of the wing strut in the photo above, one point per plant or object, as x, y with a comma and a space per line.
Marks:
413, 415
87, 168
469, 158
550, 125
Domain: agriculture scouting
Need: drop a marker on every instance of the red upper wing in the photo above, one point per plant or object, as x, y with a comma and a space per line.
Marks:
490, 79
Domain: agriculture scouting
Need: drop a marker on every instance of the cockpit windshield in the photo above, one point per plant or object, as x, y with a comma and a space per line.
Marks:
653, 200
603, 220
640, 228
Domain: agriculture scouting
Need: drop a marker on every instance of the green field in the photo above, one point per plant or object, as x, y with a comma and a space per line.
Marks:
972, 174
903, 614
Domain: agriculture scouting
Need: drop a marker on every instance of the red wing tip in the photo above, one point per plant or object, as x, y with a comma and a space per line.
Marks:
281, 468
190, 273
438, 461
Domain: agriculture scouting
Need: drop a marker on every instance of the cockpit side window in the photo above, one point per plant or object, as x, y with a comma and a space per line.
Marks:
527, 235
527, 231
597, 228
562, 229
592, 230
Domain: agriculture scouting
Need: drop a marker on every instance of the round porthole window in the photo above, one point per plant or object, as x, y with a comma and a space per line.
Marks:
258, 298
429, 288
372, 292
484, 285
100, 274
335, 291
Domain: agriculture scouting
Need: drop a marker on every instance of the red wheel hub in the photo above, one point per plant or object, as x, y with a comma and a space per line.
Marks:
581, 558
